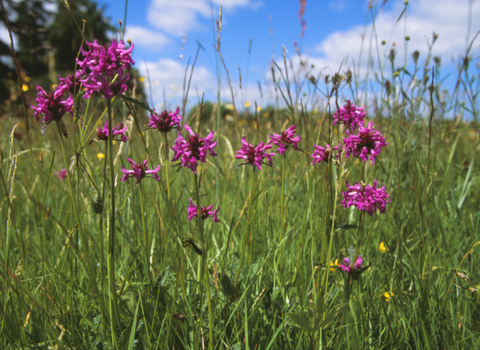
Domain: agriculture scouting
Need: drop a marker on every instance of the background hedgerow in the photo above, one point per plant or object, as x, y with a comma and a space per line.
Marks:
197, 251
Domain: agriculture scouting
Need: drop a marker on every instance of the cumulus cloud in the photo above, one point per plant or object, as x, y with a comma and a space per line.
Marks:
150, 39
179, 17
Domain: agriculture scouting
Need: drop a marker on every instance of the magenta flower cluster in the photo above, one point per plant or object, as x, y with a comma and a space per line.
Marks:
349, 115
285, 139
105, 68
102, 133
193, 149
205, 212
52, 106
351, 269
365, 197
139, 171
165, 121
325, 154
366, 144
254, 156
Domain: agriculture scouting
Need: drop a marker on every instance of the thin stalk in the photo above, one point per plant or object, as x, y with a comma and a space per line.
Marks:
167, 165
203, 258
245, 235
111, 233
282, 219
145, 236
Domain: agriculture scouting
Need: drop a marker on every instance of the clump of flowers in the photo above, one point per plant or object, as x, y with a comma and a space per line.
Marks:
193, 149
355, 267
52, 106
62, 175
205, 212
102, 133
105, 68
366, 144
387, 296
285, 139
254, 156
67, 84
349, 115
325, 154
365, 197
165, 121
139, 171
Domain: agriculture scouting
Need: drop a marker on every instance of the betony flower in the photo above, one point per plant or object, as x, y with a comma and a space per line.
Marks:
254, 155
62, 175
351, 269
105, 68
102, 133
193, 149
67, 84
139, 171
285, 139
325, 154
349, 115
165, 121
368, 198
367, 142
53, 106
205, 212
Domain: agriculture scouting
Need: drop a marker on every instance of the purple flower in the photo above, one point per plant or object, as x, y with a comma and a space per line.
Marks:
285, 139
165, 121
349, 115
62, 175
367, 142
52, 106
102, 64
254, 155
368, 198
324, 154
205, 212
351, 269
139, 171
67, 84
193, 149
102, 133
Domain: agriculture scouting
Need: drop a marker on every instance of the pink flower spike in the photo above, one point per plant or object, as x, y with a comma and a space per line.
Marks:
205, 212
102, 134
349, 115
366, 144
351, 269
193, 149
165, 121
254, 155
139, 171
367, 198
52, 106
325, 154
285, 139
62, 175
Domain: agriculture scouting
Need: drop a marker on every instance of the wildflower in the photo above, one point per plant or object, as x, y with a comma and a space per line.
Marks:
387, 296
53, 106
205, 212
165, 121
193, 149
349, 115
104, 69
139, 171
367, 142
382, 248
100, 155
62, 175
351, 269
254, 155
334, 265
102, 133
285, 139
368, 198
67, 84
324, 154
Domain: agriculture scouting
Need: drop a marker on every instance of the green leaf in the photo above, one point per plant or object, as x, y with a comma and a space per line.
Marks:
301, 320
132, 332
136, 102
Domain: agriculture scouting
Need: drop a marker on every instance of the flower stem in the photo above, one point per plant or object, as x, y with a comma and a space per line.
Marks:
282, 219
146, 241
111, 232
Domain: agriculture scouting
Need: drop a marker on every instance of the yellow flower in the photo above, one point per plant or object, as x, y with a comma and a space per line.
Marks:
141, 79
266, 115
259, 108
333, 263
25, 87
100, 155
382, 248
387, 296
27, 79
113, 141
247, 104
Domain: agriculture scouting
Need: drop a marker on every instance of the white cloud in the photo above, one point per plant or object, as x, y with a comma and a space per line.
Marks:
145, 37
177, 17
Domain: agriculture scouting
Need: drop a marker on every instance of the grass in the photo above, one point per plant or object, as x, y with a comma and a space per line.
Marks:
74, 276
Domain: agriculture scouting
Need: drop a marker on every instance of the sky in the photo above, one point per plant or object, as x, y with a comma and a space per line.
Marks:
167, 34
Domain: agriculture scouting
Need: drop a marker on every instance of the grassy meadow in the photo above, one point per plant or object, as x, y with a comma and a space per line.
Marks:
92, 262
